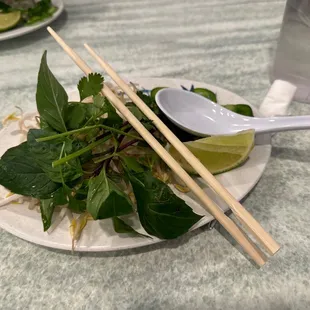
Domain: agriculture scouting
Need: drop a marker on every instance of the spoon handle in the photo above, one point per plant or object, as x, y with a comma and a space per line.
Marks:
285, 123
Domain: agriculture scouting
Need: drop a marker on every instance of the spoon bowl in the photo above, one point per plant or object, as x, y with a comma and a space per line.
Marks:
202, 117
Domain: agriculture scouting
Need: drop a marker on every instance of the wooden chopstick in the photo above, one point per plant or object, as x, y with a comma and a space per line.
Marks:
208, 204
242, 214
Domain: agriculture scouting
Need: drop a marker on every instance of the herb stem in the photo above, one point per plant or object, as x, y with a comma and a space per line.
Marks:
75, 131
78, 153
125, 126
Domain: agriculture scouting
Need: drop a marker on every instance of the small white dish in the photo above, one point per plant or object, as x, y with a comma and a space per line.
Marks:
22, 30
99, 236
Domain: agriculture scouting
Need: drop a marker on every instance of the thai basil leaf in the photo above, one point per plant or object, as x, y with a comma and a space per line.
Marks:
122, 228
90, 85
205, 93
52, 99
47, 206
113, 119
44, 125
105, 199
131, 164
161, 212
135, 111
44, 153
148, 100
76, 116
78, 206
242, 109
20, 173
154, 91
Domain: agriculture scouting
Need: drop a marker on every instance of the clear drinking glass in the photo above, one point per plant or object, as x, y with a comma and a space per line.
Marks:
292, 57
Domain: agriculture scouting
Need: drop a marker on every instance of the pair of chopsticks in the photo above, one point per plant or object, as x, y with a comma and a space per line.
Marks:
241, 214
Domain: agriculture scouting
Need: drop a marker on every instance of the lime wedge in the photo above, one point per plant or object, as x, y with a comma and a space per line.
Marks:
218, 153
9, 20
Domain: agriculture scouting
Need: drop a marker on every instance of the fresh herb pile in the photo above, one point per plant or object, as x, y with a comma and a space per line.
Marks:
86, 158
31, 11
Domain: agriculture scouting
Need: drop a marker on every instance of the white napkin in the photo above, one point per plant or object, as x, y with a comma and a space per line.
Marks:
278, 98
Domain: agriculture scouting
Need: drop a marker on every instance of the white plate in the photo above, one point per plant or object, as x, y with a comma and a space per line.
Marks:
20, 31
99, 235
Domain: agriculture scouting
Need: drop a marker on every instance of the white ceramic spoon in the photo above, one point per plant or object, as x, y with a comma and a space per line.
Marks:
200, 116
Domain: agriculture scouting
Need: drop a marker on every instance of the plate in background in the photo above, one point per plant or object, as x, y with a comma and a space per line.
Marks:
22, 30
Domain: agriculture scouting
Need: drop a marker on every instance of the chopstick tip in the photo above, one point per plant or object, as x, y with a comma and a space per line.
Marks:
50, 29
87, 46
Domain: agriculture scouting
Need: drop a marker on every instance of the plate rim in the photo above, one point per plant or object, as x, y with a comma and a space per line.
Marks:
143, 242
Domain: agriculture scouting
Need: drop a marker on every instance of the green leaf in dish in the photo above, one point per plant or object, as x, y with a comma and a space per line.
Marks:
44, 153
52, 99
242, 109
122, 228
105, 199
206, 93
131, 164
135, 111
47, 206
78, 206
161, 212
90, 85
20, 173
76, 116
40, 11
148, 100
155, 90
113, 119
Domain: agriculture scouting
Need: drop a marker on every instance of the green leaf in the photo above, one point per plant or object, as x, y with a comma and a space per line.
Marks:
82, 191
99, 102
20, 173
113, 119
44, 125
206, 93
78, 206
44, 153
154, 91
161, 212
40, 11
242, 109
122, 228
76, 116
52, 99
149, 101
105, 199
135, 111
90, 85
4, 8
47, 206
131, 163
96, 109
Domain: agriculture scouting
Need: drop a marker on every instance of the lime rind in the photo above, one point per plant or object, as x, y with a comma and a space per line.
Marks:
9, 20
219, 153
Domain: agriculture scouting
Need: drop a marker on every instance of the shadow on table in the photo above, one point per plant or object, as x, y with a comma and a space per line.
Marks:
168, 244
35, 36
